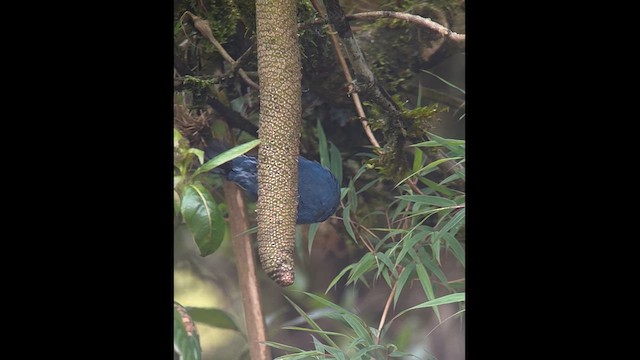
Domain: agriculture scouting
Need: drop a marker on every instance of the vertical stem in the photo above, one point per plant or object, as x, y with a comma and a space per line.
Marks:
246, 266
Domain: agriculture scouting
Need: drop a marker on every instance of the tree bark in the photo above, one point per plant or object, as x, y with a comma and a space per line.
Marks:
246, 267
280, 111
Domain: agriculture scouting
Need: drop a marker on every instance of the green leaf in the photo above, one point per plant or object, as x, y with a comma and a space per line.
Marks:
226, 156
366, 263
358, 326
340, 275
313, 228
435, 186
346, 219
203, 218
322, 146
443, 80
283, 347
176, 137
427, 261
366, 350
337, 353
385, 260
368, 185
318, 345
302, 355
402, 279
336, 162
455, 220
428, 199
176, 203
455, 247
447, 299
311, 322
417, 160
186, 341
429, 166
426, 286
197, 152
296, 328
213, 317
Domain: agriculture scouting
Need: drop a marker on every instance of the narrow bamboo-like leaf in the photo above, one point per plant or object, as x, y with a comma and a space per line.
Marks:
358, 326
318, 345
283, 347
435, 186
457, 147
455, 246
426, 286
407, 245
417, 160
429, 166
352, 196
387, 278
368, 185
303, 355
447, 299
385, 260
186, 341
213, 317
366, 350
435, 250
346, 219
296, 328
311, 322
428, 199
359, 173
458, 218
322, 145
427, 261
337, 353
226, 156
203, 218
443, 80
336, 162
366, 263
340, 275
402, 279
343, 192
313, 228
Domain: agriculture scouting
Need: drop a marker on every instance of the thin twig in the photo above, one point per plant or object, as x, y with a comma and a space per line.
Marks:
203, 27
367, 82
347, 74
386, 309
416, 19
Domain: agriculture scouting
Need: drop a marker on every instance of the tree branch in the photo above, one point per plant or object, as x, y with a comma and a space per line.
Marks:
246, 268
233, 118
366, 81
203, 27
419, 20
347, 74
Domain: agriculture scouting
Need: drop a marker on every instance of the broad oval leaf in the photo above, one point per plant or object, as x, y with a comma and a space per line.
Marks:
203, 218
226, 156
186, 341
213, 317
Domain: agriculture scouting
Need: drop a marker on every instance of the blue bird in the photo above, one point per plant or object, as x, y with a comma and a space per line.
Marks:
318, 189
